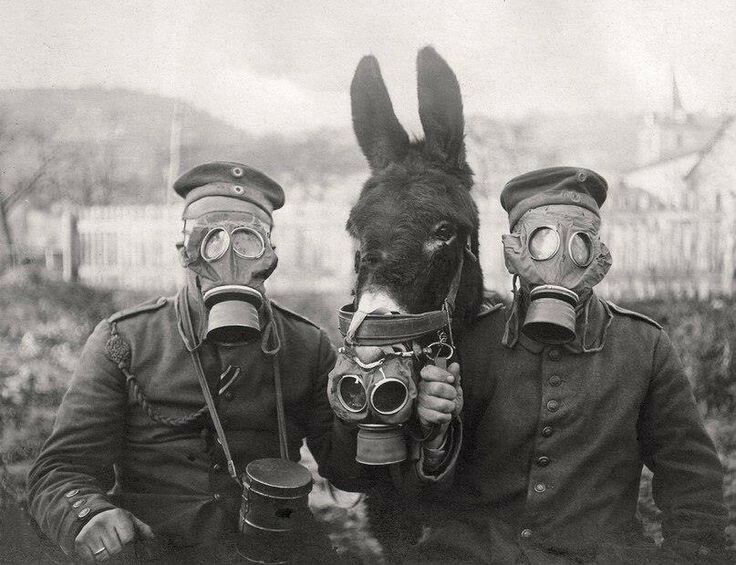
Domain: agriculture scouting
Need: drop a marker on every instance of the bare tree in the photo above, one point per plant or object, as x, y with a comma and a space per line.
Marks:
24, 162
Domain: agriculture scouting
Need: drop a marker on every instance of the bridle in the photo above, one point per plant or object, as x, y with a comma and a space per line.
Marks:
360, 328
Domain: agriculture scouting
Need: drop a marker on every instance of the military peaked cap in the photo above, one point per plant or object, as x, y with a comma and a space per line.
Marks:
555, 185
222, 185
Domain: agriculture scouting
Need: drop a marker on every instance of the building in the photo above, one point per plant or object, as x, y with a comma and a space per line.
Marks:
670, 223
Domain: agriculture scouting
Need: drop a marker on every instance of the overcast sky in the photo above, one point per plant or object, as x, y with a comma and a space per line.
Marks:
286, 66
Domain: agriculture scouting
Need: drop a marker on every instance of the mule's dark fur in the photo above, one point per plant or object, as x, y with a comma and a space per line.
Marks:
415, 214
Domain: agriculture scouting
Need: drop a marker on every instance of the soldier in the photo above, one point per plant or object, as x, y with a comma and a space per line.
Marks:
173, 398
567, 395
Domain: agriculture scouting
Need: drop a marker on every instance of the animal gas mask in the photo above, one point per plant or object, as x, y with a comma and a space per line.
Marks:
378, 394
558, 256
230, 256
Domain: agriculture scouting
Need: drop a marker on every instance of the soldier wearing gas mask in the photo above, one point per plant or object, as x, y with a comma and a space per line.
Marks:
183, 423
567, 397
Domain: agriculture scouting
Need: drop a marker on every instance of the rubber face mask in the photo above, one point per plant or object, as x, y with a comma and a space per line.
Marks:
230, 256
557, 254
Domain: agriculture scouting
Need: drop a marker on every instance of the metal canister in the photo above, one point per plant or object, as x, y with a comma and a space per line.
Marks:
274, 504
275, 494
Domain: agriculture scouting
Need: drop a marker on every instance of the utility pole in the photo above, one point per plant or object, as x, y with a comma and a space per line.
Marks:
174, 152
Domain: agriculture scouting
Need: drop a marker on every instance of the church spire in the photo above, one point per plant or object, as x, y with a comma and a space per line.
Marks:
678, 110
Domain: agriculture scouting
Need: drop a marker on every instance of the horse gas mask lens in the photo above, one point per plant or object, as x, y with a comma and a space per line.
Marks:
231, 255
557, 254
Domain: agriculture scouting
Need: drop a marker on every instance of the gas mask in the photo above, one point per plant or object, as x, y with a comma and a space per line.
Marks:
557, 254
378, 395
229, 256
379, 398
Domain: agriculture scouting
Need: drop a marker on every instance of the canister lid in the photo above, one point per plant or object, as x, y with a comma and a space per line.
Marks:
278, 478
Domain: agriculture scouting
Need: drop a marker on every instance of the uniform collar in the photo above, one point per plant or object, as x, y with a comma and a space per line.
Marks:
593, 320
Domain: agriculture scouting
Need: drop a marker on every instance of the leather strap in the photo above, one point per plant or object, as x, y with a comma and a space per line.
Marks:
361, 328
376, 329
215, 418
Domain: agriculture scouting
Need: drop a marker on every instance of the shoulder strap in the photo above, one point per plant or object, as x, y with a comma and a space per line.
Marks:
215, 418
148, 306
631, 314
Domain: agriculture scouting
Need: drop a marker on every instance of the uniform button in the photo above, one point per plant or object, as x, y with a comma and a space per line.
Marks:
229, 395
547, 431
83, 512
78, 503
553, 405
217, 496
526, 533
554, 354
543, 461
71, 493
216, 466
555, 380
237, 172
540, 487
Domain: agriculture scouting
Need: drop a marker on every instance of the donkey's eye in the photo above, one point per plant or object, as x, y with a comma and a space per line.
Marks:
444, 231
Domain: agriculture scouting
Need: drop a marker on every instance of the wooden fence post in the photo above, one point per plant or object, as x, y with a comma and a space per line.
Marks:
69, 246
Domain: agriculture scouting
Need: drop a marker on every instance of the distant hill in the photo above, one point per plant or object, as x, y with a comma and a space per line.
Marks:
115, 145
122, 138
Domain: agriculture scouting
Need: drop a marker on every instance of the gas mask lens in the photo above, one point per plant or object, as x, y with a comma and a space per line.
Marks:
544, 243
351, 393
581, 249
214, 244
389, 396
248, 243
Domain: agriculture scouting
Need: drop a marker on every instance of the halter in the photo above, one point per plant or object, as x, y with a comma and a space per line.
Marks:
361, 328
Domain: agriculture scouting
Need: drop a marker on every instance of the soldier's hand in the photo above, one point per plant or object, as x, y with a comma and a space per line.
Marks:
111, 530
440, 398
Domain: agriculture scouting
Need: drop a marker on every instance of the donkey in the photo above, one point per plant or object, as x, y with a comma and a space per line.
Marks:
415, 224
415, 218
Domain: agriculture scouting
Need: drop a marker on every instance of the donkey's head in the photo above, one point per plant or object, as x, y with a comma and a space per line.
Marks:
415, 218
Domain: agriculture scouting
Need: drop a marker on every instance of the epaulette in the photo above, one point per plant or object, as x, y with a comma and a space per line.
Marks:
293, 314
148, 306
631, 314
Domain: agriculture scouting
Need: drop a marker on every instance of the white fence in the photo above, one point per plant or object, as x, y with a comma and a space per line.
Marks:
657, 255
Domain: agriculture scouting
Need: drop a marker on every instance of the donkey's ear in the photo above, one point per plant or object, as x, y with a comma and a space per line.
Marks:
379, 132
440, 108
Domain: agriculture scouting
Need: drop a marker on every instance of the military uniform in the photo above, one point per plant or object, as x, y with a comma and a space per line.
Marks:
554, 443
132, 430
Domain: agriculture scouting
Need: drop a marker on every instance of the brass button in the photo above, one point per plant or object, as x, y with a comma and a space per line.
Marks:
554, 354
540, 487
217, 496
553, 406
78, 503
83, 512
547, 431
216, 466
543, 461
71, 493
526, 533
555, 380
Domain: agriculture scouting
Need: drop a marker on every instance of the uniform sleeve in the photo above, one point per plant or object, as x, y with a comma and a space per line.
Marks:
688, 476
68, 482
